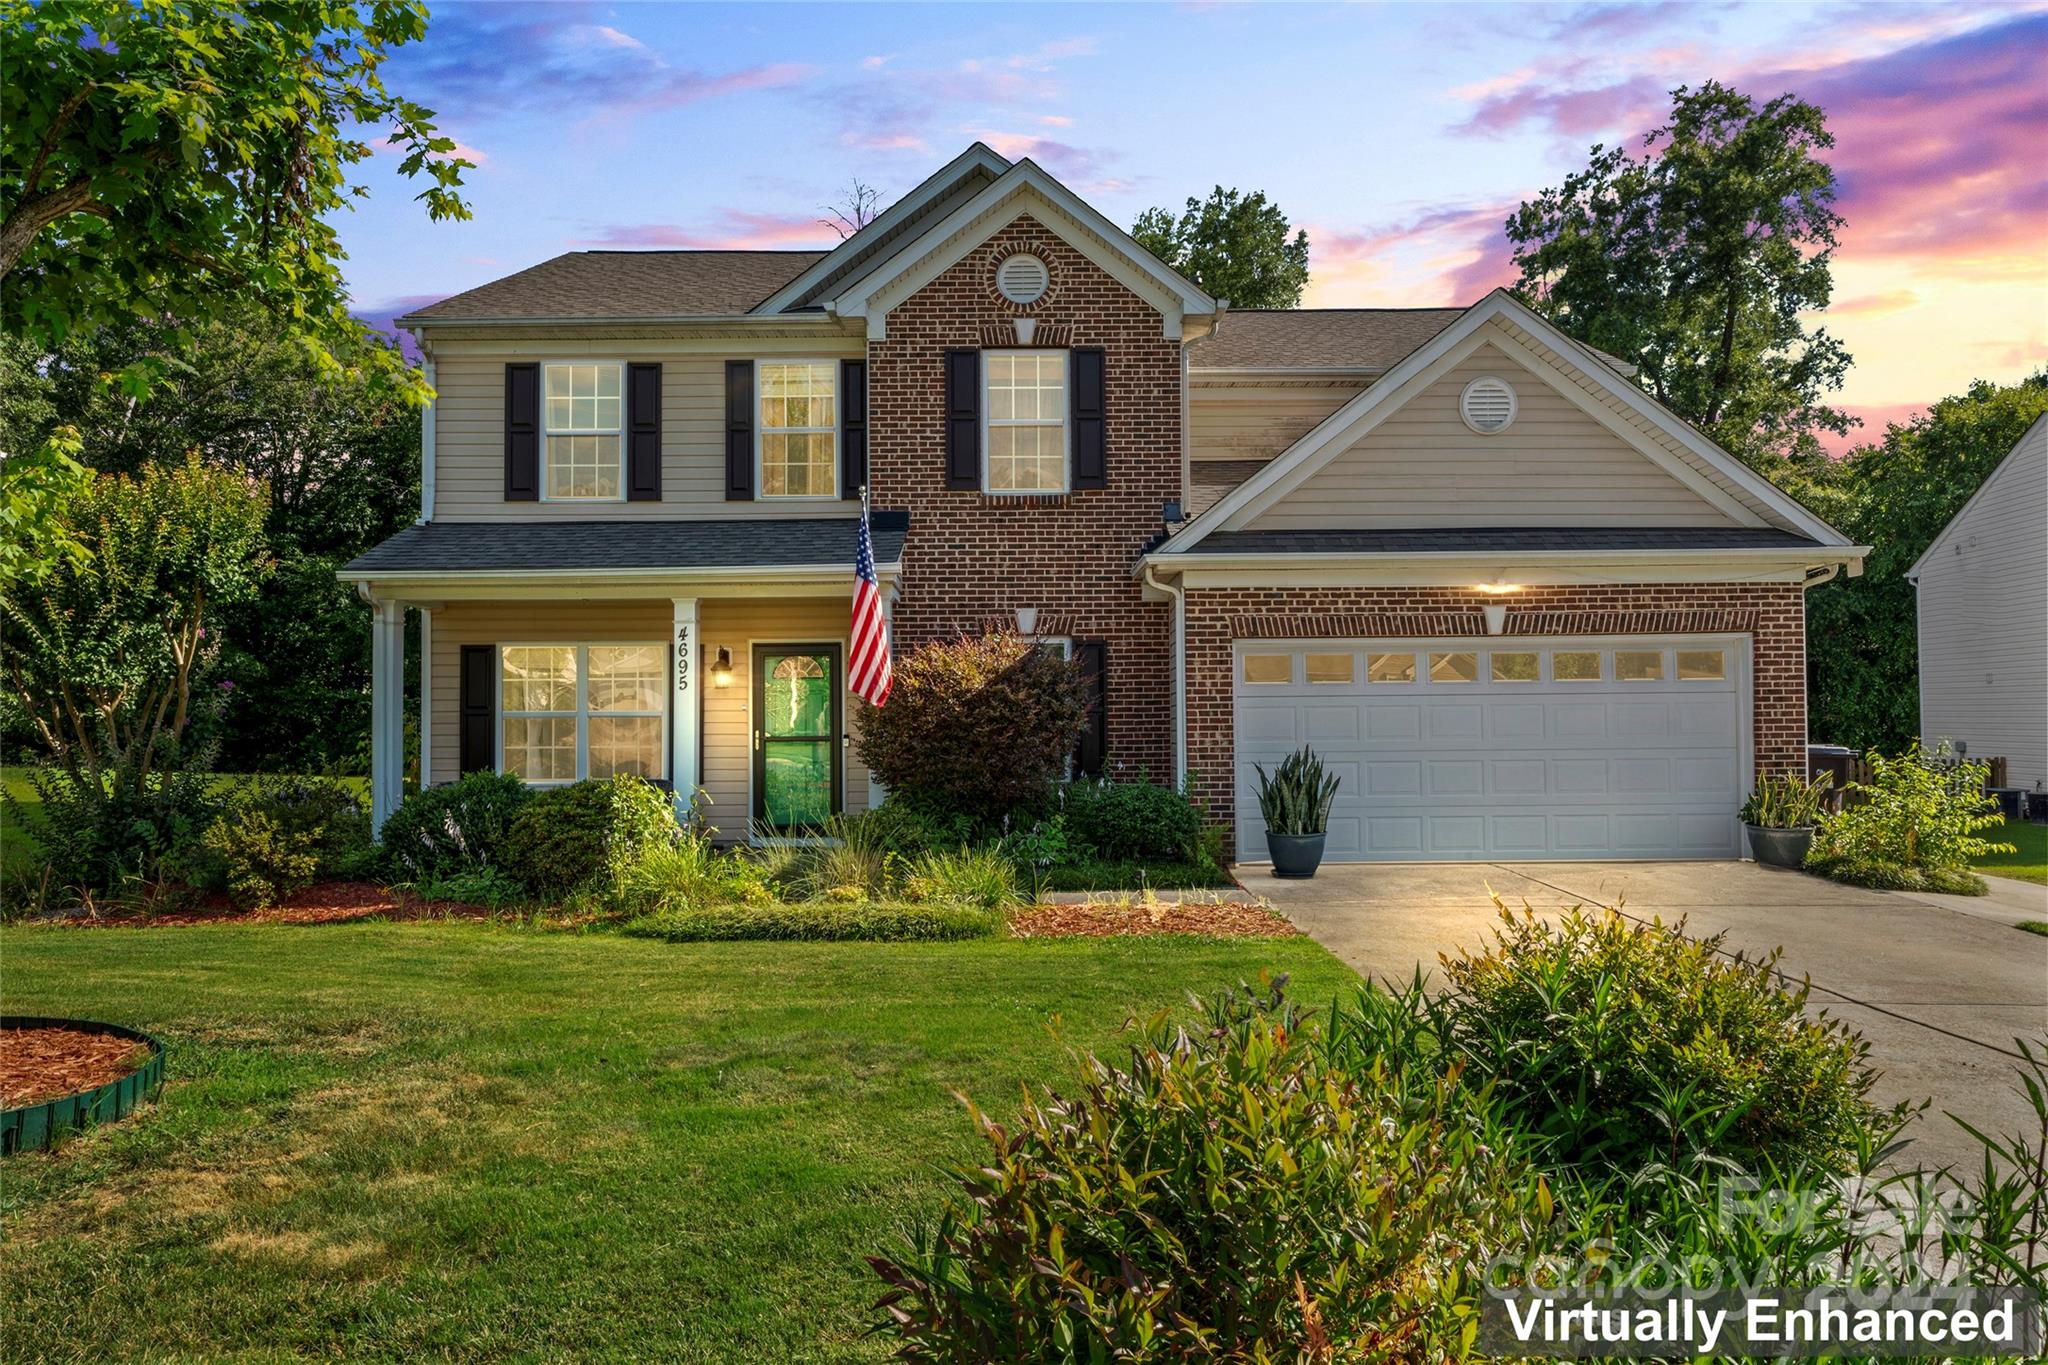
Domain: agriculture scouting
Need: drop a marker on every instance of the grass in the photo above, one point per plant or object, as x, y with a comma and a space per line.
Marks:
394, 1141
2030, 864
2032, 926
1135, 876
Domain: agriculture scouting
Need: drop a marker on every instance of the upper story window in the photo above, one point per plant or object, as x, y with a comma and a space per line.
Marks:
1026, 407
584, 415
799, 431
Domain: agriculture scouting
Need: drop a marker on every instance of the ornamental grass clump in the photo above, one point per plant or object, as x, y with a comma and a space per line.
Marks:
1296, 799
1230, 1191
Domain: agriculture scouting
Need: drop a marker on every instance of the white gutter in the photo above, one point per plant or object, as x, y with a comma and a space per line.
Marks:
1180, 675
412, 321
1187, 560
652, 573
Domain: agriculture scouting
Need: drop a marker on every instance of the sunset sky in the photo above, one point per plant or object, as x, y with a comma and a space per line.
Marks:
1399, 136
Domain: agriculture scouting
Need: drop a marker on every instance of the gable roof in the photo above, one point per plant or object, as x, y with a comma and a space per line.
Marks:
626, 284
1371, 339
528, 546
1716, 475
2033, 439
1026, 187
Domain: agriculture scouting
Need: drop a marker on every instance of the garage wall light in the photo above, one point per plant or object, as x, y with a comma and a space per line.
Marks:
1497, 588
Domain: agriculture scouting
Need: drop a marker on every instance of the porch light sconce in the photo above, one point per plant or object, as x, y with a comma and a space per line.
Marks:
1027, 620
1026, 329
1496, 614
721, 668
1499, 587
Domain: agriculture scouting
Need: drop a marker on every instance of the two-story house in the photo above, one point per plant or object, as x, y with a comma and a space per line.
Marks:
1520, 608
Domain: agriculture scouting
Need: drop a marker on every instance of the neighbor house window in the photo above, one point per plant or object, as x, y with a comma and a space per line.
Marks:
584, 415
1027, 421
574, 711
799, 428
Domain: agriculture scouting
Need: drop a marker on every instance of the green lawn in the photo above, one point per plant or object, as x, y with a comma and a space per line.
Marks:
398, 1141
2030, 864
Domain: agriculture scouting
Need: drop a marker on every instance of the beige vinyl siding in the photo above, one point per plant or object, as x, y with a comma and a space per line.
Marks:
726, 753
1555, 466
1983, 608
1257, 423
469, 442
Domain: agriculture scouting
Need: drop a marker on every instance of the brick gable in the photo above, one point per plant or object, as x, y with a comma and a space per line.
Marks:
970, 560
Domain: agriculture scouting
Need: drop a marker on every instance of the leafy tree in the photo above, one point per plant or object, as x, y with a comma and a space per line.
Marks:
110, 656
169, 158
337, 453
35, 485
1698, 261
1234, 245
1863, 673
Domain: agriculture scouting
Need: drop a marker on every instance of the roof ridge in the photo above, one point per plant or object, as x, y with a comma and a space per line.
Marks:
1411, 308
702, 251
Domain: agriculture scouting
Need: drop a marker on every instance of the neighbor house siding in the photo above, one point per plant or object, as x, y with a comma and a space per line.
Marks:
1554, 466
1772, 614
1983, 610
469, 427
726, 752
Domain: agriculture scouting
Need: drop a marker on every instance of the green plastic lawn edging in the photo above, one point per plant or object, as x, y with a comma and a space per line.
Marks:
32, 1126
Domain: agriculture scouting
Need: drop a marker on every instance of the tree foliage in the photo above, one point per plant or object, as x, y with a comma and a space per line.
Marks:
171, 158
36, 483
1895, 496
1698, 261
109, 655
1234, 245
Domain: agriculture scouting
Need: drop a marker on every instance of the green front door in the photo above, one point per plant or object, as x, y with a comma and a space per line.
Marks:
798, 764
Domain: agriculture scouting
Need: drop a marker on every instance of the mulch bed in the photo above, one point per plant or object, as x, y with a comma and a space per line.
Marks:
1228, 919
321, 903
38, 1064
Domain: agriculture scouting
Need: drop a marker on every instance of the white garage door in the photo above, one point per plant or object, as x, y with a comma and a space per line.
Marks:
1475, 749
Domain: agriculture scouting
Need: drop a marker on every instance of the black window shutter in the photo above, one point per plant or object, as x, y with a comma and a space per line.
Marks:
522, 433
643, 433
963, 419
1093, 657
479, 708
853, 427
739, 430
1085, 404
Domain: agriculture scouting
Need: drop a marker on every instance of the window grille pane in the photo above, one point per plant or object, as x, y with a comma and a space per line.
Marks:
538, 678
541, 749
627, 677
625, 744
583, 467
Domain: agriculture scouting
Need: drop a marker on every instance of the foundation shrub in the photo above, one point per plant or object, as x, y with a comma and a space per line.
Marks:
460, 827
1915, 826
819, 921
277, 835
587, 833
1132, 821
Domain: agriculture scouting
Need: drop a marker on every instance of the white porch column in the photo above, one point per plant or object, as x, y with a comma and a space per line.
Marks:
877, 793
387, 710
684, 723
426, 697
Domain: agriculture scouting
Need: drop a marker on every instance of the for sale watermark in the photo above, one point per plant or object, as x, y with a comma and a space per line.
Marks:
1794, 1322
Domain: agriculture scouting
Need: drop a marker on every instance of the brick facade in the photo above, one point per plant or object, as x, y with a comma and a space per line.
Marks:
1772, 614
970, 559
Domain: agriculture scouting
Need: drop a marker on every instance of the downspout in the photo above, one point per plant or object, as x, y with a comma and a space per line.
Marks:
426, 430
1180, 673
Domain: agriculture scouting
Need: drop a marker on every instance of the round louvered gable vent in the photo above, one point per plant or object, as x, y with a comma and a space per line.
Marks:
1487, 405
1022, 278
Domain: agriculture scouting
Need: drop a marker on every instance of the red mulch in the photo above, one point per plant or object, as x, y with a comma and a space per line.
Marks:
321, 903
38, 1064
1230, 919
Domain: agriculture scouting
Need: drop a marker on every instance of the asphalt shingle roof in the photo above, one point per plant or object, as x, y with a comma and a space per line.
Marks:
732, 543
1489, 538
627, 284
1307, 338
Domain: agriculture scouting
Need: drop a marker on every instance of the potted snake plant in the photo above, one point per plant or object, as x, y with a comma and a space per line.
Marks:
1780, 816
1295, 803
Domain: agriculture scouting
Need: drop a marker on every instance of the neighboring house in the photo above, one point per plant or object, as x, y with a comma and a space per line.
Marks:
1521, 609
1982, 589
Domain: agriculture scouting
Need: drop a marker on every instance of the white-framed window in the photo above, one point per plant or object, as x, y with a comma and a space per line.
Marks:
583, 419
567, 712
796, 442
1024, 421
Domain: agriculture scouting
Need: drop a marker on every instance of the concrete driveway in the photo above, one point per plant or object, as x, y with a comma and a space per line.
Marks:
1940, 995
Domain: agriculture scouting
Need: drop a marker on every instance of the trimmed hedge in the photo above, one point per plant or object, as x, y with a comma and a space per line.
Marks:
1131, 821
569, 836
819, 923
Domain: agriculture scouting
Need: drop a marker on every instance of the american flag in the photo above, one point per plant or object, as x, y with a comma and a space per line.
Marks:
869, 667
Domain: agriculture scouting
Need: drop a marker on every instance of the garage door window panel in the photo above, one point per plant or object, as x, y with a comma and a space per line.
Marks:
1460, 666
1330, 669
1701, 665
1575, 665
1636, 665
1268, 669
1515, 668
1390, 668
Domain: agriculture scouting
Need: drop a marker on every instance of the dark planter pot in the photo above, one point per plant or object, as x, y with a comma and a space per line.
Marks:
1780, 847
1295, 855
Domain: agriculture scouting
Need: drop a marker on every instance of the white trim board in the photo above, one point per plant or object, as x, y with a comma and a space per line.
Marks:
1421, 367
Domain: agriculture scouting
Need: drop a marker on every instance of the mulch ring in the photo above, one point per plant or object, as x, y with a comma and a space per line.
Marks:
1105, 919
321, 903
38, 1064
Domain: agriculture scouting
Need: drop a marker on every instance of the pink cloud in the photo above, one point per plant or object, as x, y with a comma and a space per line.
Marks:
1889, 301
1875, 417
732, 230
1466, 255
